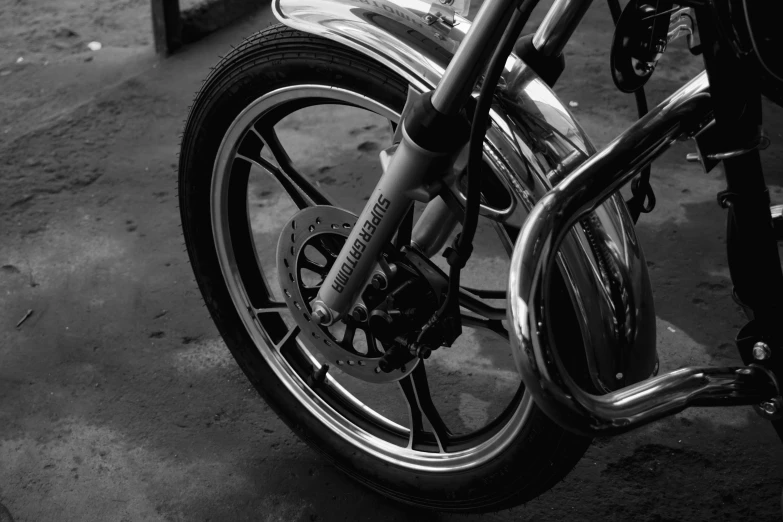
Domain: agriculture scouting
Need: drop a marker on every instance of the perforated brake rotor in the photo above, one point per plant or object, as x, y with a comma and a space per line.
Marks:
307, 248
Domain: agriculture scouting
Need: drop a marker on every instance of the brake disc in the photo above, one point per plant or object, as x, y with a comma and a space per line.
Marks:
307, 249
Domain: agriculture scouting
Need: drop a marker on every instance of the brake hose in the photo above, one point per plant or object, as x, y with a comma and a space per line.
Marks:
458, 254
640, 187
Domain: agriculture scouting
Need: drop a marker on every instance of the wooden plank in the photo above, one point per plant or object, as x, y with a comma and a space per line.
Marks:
166, 26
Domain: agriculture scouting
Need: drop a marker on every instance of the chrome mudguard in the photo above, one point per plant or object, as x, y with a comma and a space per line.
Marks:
533, 142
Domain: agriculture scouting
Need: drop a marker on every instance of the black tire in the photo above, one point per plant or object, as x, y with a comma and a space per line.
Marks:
542, 453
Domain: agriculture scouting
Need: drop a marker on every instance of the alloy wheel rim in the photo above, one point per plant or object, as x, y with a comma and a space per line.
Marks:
281, 346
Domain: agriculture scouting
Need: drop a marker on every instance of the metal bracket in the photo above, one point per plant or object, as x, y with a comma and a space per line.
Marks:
682, 23
423, 193
760, 351
441, 18
708, 147
426, 192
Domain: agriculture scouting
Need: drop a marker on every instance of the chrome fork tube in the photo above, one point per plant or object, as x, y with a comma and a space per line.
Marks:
475, 50
558, 25
534, 258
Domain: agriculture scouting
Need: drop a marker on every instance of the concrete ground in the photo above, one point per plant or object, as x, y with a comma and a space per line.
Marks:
118, 400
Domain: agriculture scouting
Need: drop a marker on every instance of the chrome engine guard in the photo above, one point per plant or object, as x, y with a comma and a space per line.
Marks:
533, 142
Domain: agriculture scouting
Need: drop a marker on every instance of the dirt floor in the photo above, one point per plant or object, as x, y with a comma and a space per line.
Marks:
118, 401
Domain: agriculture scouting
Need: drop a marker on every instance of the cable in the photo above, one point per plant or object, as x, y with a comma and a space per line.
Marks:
640, 187
460, 251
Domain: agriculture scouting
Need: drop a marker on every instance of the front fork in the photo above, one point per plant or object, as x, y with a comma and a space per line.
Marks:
401, 182
432, 134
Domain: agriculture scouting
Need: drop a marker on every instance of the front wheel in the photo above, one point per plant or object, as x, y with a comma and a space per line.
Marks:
289, 121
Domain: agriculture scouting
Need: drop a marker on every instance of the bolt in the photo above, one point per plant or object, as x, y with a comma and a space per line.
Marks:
645, 67
769, 407
360, 314
379, 282
320, 315
761, 351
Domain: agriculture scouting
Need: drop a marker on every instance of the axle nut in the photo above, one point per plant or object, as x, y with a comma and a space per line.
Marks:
761, 351
771, 409
360, 314
379, 282
319, 315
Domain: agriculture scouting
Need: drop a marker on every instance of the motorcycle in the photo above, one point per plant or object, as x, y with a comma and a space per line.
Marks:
351, 304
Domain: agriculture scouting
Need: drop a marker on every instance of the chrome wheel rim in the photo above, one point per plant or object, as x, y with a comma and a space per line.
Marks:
287, 354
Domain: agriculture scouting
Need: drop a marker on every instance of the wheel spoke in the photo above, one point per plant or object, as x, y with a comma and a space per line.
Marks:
318, 244
289, 187
493, 325
311, 265
288, 341
479, 307
485, 294
309, 292
281, 156
417, 393
347, 342
372, 344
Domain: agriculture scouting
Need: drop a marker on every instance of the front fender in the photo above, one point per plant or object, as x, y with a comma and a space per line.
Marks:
533, 142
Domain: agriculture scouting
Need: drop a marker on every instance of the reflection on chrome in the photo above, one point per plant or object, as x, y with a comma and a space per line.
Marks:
532, 135
538, 359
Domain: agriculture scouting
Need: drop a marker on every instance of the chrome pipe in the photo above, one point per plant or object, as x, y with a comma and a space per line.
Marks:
558, 25
472, 55
533, 259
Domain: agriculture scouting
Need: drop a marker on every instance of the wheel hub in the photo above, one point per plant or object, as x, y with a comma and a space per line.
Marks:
307, 248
